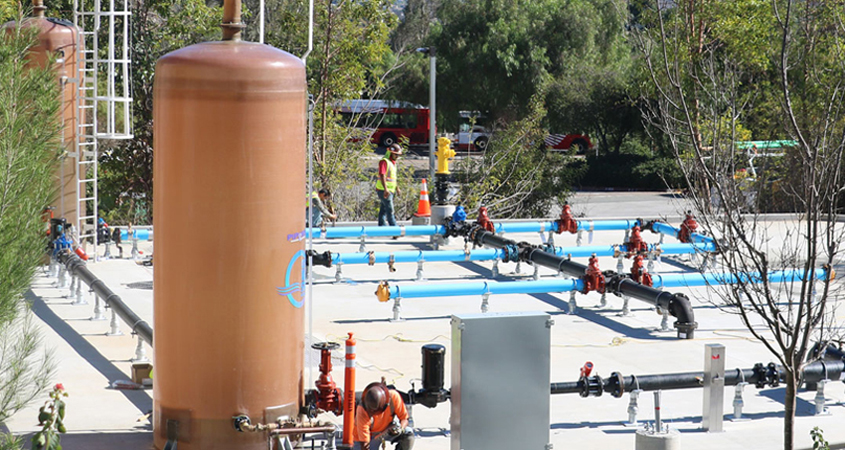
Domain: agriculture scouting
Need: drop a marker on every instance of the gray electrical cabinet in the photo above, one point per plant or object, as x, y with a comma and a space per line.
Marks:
500, 381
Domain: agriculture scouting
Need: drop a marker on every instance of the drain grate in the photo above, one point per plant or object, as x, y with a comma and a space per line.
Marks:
140, 285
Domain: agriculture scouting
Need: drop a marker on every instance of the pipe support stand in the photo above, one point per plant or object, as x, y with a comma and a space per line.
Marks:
140, 352
114, 325
98, 308
573, 305
397, 310
485, 302
80, 295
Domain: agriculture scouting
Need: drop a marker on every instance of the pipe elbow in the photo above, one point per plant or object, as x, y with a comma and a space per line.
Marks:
681, 309
383, 292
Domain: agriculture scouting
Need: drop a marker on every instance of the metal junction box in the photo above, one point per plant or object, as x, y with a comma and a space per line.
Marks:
500, 381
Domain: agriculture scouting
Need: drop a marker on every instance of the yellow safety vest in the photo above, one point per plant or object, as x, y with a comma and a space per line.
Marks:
389, 177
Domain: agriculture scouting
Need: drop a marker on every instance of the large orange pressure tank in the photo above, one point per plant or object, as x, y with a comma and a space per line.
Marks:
58, 39
229, 215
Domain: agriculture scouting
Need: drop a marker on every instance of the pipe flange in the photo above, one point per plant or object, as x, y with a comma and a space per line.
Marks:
616, 385
759, 371
240, 422
773, 375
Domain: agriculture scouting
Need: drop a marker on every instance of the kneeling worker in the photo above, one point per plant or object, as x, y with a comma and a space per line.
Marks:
374, 420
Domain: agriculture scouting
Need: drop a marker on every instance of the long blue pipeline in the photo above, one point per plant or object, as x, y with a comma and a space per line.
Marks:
491, 254
575, 284
501, 227
142, 234
665, 228
718, 278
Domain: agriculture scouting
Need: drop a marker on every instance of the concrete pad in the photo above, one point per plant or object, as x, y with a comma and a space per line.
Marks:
100, 417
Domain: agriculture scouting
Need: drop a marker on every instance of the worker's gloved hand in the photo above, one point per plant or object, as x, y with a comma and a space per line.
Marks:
394, 430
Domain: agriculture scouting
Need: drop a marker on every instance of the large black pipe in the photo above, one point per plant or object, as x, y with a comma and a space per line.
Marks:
77, 267
760, 375
677, 305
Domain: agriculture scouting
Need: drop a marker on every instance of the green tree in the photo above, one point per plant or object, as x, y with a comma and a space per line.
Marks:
703, 62
158, 27
30, 146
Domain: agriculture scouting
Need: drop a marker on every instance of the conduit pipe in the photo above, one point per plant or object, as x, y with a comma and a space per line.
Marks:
760, 375
77, 267
492, 254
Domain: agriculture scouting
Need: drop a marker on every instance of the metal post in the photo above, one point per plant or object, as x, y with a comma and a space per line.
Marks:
140, 352
518, 269
432, 105
572, 304
98, 308
536, 272
819, 400
650, 266
714, 387
62, 276
338, 275
619, 266
420, 272
363, 247
578, 238
397, 310
626, 311
603, 301
633, 408
495, 269
738, 403
664, 324
485, 304
135, 253
72, 288
115, 325
658, 424
80, 296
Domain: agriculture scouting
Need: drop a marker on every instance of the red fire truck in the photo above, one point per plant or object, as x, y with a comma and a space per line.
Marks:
387, 121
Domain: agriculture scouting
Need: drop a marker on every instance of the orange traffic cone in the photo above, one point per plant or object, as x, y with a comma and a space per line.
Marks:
424, 208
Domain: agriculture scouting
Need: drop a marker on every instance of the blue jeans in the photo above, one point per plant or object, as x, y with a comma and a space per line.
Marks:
385, 210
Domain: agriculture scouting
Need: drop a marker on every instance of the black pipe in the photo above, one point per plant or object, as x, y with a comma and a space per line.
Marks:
77, 267
319, 259
760, 375
677, 305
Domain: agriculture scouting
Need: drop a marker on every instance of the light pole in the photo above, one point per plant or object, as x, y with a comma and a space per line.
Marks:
432, 107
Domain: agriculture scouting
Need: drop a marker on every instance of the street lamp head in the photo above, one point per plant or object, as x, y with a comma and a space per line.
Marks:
426, 51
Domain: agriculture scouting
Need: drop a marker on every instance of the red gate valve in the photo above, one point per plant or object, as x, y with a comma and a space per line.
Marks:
585, 371
593, 278
329, 397
566, 221
484, 220
638, 272
636, 244
687, 228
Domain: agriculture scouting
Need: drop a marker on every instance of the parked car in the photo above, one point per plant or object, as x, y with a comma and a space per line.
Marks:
565, 142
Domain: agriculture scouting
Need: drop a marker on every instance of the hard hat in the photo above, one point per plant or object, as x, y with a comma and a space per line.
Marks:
396, 149
375, 398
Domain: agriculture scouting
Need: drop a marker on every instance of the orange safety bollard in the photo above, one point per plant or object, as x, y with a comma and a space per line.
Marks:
349, 393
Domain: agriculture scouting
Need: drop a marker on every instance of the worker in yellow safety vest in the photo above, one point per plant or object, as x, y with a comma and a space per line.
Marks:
386, 187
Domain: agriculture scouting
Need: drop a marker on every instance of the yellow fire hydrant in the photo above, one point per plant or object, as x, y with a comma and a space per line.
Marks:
444, 153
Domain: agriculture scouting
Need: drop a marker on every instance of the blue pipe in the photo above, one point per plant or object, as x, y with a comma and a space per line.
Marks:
415, 256
665, 228
491, 254
576, 284
486, 287
501, 227
142, 234
606, 225
718, 278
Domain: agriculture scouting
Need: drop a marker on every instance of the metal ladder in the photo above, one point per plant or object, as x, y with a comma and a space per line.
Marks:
89, 16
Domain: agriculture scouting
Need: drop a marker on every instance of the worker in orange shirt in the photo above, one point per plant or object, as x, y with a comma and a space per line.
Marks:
376, 420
